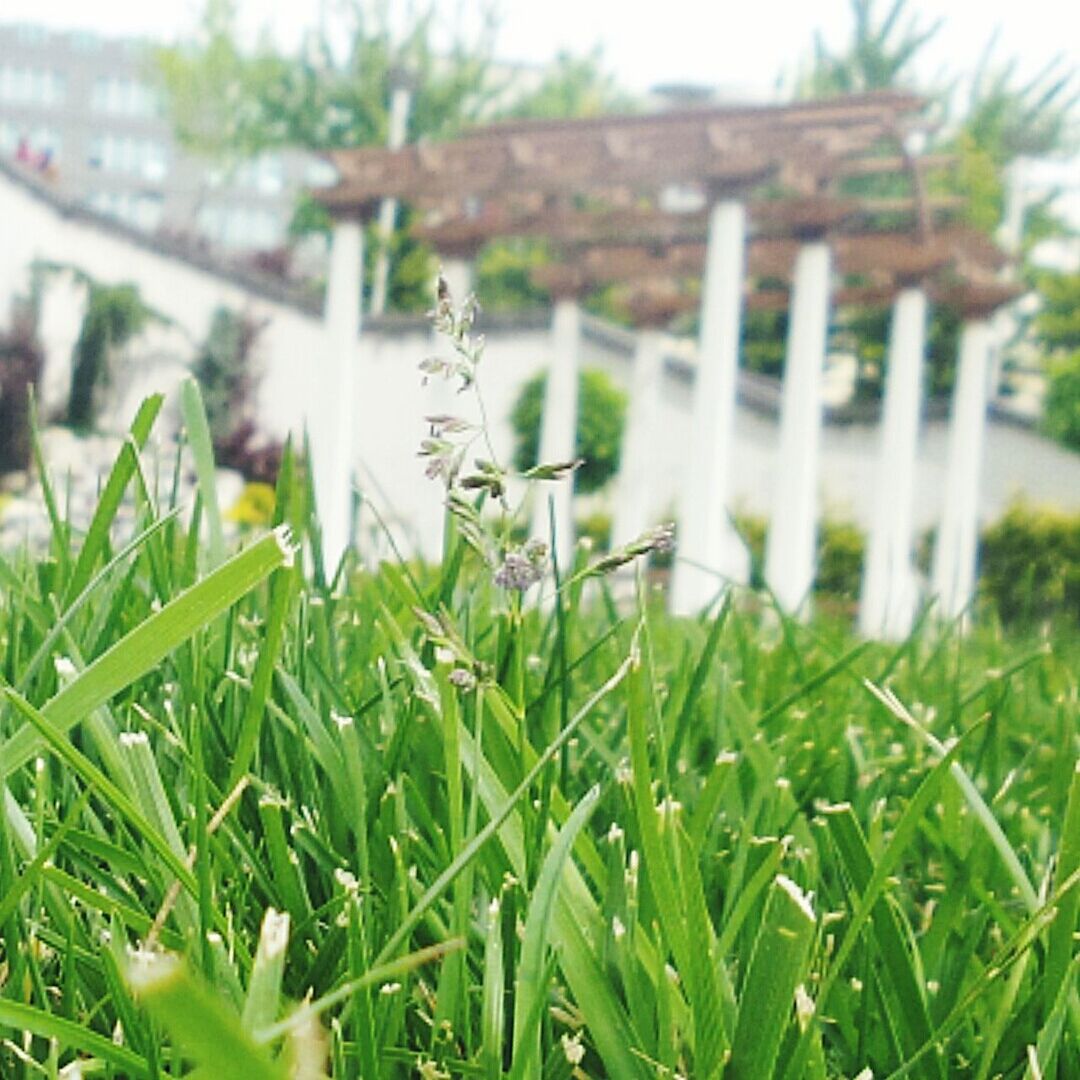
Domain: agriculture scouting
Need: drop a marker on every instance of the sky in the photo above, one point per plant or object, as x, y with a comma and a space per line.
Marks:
740, 47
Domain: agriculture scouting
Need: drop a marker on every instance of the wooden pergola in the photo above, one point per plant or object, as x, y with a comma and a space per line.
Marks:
756, 203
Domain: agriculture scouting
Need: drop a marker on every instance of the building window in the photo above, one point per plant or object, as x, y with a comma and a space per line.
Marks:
121, 96
32, 86
29, 34
126, 154
141, 211
247, 228
85, 40
264, 174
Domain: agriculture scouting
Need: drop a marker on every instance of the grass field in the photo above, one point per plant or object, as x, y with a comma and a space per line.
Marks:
414, 824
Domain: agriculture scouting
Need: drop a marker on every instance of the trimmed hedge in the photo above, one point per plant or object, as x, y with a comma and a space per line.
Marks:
1029, 566
601, 416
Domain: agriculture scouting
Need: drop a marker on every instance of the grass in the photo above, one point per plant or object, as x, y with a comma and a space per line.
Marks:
259, 825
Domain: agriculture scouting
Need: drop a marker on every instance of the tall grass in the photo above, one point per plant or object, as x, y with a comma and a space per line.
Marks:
258, 826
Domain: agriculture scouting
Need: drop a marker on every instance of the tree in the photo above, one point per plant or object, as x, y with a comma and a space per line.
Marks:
1002, 119
228, 105
572, 86
878, 56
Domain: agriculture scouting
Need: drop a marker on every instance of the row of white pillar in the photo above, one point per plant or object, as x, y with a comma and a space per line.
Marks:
711, 555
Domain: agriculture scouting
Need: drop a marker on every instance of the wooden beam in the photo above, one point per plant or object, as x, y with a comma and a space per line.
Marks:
636, 151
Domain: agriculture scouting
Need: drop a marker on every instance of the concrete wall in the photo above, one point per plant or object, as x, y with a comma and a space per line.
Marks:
292, 355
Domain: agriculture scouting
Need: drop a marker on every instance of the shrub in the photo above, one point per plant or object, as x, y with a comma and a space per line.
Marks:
601, 416
21, 362
841, 546
597, 527
224, 372
1030, 565
1061, 408
114, 315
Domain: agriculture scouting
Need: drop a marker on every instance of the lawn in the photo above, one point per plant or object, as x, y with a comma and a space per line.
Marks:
262, 824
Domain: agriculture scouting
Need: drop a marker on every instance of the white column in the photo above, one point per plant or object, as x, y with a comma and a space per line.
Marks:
458, 274
60, 318
791, 548
331, 427
957, 542
889, 591
558, 431
710, 553
400, 101
636, 483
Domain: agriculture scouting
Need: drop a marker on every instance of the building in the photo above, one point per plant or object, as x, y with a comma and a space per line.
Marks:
85, 111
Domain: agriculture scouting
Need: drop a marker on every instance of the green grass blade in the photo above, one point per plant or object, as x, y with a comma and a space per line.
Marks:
529, 985
1060, 943
149, 643
493, 1010
97, 535
198, 1020
25, 1018
263, 1000
202, 450
777, 966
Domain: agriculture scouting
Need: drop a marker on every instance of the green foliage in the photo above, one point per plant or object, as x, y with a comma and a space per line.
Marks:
223, 369
572, 86
601, 416
765, 342
503, 274
977, 177
114, 315
1029, 566
229, 104
1061, 405
841, 546
1008, 118
413, 267
596, 527
878, 56
1057, 325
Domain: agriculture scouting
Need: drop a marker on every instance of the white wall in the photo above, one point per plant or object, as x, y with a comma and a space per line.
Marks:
292, 353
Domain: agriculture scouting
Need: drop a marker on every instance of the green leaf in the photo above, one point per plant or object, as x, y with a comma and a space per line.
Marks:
778, 965
149, 643
198, 1020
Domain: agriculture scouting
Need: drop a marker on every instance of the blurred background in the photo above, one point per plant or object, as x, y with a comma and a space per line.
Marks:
202, 129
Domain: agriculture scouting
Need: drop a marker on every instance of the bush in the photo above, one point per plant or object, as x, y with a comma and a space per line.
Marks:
21, 362
1030, 565
114, 315
1061, 408
841, 547
224, 370
597, 528
601, 416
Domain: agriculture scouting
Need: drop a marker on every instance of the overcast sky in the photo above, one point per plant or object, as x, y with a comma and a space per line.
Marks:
739, 46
